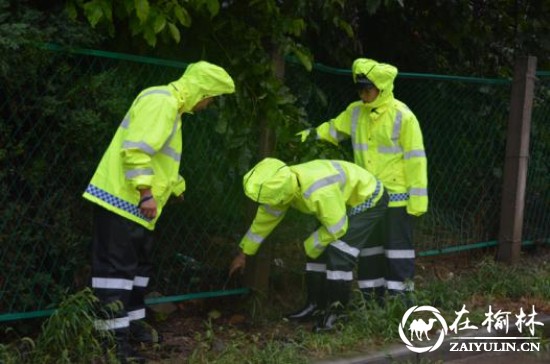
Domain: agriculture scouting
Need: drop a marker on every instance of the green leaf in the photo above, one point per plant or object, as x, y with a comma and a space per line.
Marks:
150, 36
346, 27
142, 10
304, 58
160, 23
107, 10
213, 7
183, 16
93, 12
175, 32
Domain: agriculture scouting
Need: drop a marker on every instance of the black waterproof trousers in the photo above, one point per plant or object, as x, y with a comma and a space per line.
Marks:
340, 257
121, 269
387, 264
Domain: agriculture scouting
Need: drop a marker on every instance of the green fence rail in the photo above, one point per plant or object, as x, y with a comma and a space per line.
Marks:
55, 125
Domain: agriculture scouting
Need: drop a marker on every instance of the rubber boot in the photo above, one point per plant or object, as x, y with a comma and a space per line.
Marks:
338, 293
124, 351
315, 282
142, 332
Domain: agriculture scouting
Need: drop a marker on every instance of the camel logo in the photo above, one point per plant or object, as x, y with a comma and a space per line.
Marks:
419, 329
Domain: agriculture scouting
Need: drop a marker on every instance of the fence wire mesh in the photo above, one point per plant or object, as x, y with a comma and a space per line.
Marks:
47, 157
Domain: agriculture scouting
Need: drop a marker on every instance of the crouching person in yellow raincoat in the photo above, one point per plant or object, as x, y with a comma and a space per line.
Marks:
347, 201
134, 180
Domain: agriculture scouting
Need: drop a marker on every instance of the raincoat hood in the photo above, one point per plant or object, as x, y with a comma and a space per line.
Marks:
270, 182
381, 74
199, 81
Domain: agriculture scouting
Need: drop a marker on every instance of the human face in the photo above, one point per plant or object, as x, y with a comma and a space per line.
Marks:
369, 94
203, 104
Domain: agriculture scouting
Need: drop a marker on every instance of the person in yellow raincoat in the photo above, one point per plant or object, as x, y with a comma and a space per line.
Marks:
135, 178
346, 200
387, 141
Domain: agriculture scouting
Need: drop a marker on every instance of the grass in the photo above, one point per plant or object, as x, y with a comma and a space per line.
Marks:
67, 336
444, 283
477, 284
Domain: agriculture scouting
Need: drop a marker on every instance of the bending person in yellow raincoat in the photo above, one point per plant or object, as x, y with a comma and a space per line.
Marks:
134, 180
347, 201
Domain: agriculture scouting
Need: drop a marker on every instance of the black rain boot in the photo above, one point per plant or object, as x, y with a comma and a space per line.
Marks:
338, 293
142, 332
315, 282
124, 351
330, 320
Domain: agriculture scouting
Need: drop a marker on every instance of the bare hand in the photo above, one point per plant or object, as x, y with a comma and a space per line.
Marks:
148, 208
238, 264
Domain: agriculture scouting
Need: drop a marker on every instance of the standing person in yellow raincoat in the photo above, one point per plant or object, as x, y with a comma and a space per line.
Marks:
135, 178
347, 201
387, 141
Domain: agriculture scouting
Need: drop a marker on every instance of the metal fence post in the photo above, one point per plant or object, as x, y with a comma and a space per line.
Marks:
517, 154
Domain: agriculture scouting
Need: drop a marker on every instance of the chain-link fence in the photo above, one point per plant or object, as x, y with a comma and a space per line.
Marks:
55, 125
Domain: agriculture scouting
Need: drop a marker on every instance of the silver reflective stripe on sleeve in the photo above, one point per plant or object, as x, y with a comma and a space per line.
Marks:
400, 253
322, 183
316, 267
338, 226
136, 314
270, 210
254, 237
367, 252
371, 283
417, 153
141, 281
340, 245
139, 145
112, 283
316, 242
335, 134
171, 152
112, 324
138, 172
338, 275
125, 121
418, 192
342, 174
166, 148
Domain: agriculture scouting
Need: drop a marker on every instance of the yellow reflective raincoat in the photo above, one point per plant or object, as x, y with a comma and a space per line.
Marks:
328, 189
386, 139
146, 149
